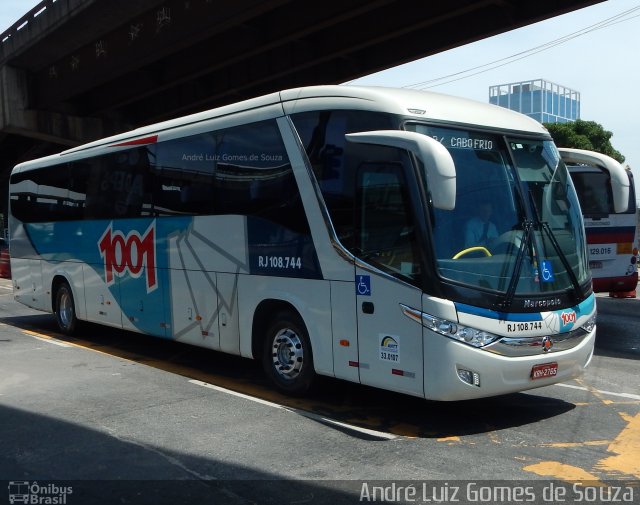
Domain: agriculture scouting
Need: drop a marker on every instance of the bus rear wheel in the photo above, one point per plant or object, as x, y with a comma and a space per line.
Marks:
65, 309
287, 358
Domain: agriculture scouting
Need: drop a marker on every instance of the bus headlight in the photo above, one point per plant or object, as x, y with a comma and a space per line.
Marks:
466, 334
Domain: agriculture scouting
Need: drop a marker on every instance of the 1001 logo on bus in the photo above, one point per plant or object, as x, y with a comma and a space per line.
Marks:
568, 317
130, 254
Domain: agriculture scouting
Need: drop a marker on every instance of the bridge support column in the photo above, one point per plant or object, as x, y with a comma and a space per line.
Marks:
16, 116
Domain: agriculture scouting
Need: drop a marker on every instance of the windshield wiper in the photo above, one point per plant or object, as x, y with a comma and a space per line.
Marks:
505, 303
563, 260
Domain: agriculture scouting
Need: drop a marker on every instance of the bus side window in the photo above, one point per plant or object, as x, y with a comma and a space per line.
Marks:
111, 186
335, 161
594, 193
255, 178
183, 173
385, 232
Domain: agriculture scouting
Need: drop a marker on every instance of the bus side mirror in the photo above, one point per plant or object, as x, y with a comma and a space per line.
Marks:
619, 178
620, 192
439, 166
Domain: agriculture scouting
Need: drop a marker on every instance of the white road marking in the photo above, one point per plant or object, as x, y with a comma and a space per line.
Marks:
48, 340
610, 393
310, 415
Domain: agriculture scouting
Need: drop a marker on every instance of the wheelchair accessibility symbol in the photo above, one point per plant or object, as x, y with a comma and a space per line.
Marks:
547, 271
363, 285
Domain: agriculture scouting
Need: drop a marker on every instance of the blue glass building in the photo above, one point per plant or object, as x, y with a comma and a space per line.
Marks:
542, 100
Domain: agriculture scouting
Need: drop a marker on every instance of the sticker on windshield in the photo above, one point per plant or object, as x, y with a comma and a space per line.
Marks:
465, 141
546, 273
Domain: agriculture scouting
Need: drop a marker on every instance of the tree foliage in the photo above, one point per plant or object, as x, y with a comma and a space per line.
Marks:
581, 134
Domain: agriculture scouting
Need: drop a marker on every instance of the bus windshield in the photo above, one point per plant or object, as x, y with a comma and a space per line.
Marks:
516, 228
594, 192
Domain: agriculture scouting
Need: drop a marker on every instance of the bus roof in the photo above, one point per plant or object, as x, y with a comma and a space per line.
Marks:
421, 105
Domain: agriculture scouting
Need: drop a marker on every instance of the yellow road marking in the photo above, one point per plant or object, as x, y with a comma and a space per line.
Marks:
562, 445
493, 436
610, 402
36, 334
560, 471
405, 430
46, 338
240, 386
594, 392
626, 446
310, 415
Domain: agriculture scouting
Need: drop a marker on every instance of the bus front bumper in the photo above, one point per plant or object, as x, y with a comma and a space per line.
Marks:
494, 374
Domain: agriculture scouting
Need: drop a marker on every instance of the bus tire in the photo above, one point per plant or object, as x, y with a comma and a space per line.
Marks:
65, 309
287, 357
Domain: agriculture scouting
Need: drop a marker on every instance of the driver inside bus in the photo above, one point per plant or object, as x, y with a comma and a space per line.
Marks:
479, 230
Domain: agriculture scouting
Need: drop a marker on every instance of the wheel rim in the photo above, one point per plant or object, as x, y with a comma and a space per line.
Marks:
288, 354
65, 309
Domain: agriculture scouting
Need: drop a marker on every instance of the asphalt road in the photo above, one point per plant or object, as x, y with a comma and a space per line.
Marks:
121, 418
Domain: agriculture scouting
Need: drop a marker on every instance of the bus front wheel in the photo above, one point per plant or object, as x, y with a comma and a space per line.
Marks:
287, 356
65, 309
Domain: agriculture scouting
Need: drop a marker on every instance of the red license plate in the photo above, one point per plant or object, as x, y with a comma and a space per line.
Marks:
543, 371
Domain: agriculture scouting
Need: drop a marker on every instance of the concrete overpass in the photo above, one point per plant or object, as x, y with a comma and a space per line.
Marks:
75, 70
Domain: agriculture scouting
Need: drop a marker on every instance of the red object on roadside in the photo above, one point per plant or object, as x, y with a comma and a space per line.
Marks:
5, 265
623, 294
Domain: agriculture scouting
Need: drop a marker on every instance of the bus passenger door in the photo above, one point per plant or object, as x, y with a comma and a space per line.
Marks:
389, 343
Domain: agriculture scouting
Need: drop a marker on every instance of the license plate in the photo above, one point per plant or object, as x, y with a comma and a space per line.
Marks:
604, 251
595, 265
543, 371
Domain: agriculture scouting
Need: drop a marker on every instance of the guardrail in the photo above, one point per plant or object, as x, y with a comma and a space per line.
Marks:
29, 17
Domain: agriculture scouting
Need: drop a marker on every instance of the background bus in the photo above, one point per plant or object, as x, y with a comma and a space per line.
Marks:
611, 232
320, 230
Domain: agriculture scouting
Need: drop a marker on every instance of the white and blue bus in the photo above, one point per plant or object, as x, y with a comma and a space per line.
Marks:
323, 231
600, 183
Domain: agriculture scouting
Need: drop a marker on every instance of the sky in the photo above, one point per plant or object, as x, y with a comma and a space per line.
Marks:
602, 64
12, 10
